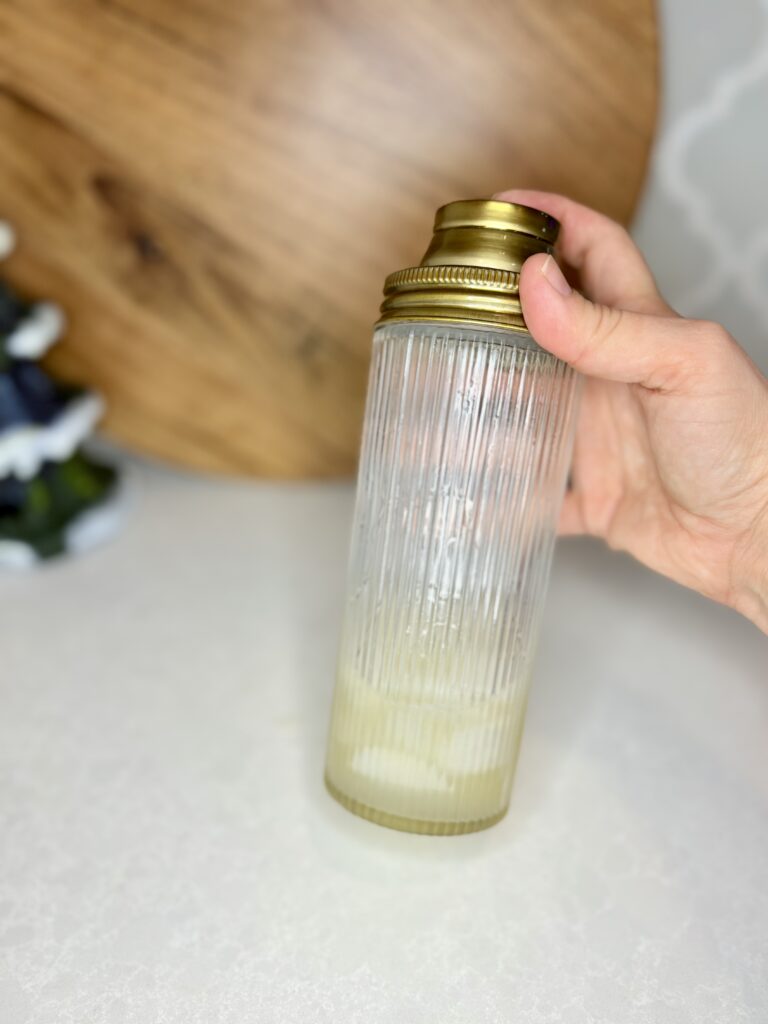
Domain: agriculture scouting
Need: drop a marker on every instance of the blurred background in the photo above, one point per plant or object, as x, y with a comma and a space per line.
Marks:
703, 221
215, 193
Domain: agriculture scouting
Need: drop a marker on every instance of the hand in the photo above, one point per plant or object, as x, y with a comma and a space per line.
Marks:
671, 455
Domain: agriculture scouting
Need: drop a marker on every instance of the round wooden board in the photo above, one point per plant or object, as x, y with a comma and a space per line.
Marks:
215, 191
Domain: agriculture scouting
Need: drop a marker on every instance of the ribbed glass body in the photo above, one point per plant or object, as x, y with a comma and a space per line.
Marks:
466, 446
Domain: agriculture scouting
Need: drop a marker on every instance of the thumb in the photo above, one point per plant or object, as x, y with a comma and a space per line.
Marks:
614, 344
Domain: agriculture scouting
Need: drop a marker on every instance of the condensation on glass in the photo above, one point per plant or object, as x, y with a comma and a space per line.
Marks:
465, 454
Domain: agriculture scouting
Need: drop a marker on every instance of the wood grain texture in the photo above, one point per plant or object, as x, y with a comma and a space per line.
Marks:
215, 191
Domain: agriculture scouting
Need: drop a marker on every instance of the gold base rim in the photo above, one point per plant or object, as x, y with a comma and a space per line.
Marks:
416, 826
424, 314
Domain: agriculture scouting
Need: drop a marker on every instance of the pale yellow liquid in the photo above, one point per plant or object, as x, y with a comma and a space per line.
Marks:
423, 762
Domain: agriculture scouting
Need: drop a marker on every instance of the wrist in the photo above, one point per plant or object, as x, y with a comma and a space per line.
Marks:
751, 578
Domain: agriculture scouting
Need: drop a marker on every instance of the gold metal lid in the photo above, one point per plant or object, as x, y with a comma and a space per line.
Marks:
471, 270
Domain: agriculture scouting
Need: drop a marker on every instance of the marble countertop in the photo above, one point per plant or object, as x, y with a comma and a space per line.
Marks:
169, 853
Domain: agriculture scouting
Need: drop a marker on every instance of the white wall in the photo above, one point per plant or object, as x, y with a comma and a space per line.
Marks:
703, 223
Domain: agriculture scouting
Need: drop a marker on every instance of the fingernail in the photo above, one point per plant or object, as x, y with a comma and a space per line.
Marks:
554, 276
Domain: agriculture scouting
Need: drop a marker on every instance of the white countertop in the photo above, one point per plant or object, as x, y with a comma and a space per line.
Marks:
169, 853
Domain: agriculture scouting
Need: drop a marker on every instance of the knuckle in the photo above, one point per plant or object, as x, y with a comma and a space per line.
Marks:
715, 334
621, 234
607, 322
598, 326
715, 346
703, 357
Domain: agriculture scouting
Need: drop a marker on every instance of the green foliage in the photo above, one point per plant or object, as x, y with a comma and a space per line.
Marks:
37, 512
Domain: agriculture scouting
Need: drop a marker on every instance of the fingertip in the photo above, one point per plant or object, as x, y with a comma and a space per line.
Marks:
534, 263
533, 287
550, 202
545, 305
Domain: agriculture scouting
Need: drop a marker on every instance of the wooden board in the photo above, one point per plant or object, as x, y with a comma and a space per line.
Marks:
216, 190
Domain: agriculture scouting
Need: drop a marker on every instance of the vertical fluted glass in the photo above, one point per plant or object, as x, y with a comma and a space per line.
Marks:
466, 445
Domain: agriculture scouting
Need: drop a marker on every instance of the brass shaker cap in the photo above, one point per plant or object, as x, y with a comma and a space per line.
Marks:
471, 270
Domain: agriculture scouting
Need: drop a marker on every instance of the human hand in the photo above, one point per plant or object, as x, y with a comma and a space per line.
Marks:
671, 454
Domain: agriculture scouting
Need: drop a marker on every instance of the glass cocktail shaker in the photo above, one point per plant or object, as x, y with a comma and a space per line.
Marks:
466, 447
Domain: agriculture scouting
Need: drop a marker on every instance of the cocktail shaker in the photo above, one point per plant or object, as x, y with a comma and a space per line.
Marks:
466, 446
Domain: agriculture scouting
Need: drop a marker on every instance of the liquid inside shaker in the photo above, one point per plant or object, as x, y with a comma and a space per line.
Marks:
466, 446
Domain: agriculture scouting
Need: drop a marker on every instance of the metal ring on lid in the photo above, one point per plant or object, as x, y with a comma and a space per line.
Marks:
499, 216
471, 270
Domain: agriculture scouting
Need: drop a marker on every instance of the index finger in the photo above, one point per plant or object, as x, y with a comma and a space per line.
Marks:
610, 267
